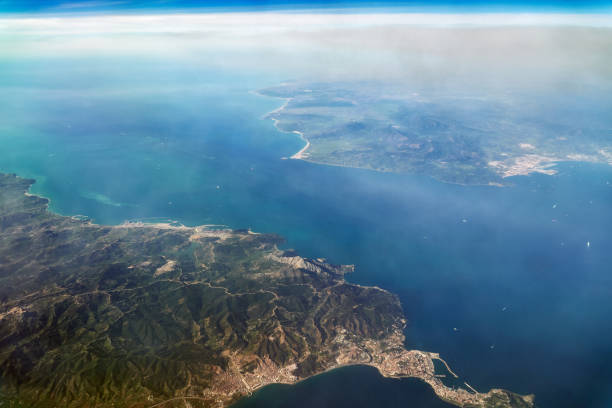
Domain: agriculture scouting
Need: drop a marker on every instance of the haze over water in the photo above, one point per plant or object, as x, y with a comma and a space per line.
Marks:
500, 281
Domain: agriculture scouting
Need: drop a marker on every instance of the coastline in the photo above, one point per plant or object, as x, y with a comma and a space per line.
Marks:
388, 354
303, 154
520, 166
300, 154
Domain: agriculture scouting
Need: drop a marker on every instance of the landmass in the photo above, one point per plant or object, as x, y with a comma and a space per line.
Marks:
160, 315
462, 137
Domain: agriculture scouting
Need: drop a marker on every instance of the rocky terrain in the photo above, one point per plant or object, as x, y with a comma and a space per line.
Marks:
143, 315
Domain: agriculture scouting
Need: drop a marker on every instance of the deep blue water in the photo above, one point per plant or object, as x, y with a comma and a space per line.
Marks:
355, 387
509, 268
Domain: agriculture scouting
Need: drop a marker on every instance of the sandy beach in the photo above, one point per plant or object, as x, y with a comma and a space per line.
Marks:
302, 153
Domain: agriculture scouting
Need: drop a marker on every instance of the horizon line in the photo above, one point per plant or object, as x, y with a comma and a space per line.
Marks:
127, 7
203, 21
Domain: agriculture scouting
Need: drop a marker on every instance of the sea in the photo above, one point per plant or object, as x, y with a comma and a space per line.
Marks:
511, 285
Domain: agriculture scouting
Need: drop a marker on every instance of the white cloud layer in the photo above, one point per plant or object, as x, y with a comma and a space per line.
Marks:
249, 22
416, 47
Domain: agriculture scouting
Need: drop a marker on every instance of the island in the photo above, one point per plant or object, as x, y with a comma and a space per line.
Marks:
464, 137
164, 315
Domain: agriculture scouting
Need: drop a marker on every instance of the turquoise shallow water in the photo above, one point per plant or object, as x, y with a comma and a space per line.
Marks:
508, 268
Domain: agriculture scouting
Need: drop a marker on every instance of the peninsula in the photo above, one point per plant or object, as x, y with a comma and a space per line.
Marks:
157, 315
460, 137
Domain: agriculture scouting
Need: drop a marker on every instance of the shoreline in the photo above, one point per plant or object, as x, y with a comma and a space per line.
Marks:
388, 355
300, 154
523, 165
330, 369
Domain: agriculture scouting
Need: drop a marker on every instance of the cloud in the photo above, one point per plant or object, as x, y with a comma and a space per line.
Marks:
267, 21
405, 46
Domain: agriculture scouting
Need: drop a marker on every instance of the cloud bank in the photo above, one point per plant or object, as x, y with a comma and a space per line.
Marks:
418, 47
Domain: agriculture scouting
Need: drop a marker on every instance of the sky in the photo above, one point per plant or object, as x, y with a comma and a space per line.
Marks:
123, 6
